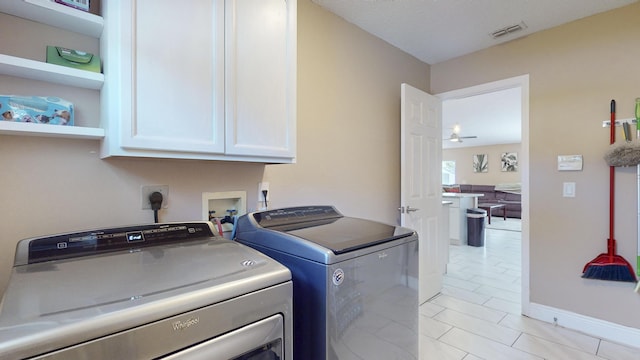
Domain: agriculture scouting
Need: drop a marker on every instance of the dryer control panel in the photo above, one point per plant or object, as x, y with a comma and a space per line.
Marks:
94, 242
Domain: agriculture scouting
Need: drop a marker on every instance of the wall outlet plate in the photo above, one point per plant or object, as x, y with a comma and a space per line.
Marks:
263, 186
146, 190
263, 203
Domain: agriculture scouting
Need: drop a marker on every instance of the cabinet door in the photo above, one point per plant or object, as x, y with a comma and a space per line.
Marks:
175, 91
260, 50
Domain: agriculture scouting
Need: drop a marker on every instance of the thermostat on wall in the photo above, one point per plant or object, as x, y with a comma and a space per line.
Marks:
569, 162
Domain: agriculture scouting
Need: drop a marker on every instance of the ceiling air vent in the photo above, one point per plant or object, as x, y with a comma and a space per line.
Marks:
508, 30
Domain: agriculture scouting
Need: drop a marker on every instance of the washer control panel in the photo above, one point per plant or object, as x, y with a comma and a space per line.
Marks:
87, 243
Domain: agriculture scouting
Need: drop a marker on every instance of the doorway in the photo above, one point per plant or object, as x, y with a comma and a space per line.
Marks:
521, 82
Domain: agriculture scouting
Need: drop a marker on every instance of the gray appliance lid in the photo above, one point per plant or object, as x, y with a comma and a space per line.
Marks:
345, 234
325, 226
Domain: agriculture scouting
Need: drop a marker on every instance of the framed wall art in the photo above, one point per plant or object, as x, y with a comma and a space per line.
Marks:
509, 161
480, 163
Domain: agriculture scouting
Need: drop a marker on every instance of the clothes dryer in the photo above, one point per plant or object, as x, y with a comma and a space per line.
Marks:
355, 281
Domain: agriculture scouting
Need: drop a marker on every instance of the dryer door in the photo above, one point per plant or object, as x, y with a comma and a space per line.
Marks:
260, 340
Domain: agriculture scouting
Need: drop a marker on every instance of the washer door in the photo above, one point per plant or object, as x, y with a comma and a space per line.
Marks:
258, 341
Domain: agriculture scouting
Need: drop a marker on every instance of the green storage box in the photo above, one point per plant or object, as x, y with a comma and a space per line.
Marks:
73, 58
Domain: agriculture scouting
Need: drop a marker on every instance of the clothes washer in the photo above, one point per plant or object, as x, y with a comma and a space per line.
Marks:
170, 291
355, 281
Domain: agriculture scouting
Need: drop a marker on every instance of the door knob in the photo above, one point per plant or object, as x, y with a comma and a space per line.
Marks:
410, 209
407, 210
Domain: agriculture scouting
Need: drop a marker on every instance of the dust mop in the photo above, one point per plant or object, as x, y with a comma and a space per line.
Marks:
609, 265
628, 152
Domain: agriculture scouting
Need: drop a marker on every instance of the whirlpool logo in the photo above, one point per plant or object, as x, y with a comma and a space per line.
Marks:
182, 325
338, 277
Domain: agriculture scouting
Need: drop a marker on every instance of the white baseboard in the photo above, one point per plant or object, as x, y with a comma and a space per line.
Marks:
616, 333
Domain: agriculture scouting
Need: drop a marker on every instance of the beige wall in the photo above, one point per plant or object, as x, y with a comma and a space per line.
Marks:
348, 119
464, 164
348, 142
58, 185
575, 70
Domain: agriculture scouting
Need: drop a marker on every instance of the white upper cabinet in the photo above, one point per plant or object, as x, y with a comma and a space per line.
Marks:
260, 77
212, 81
164, 78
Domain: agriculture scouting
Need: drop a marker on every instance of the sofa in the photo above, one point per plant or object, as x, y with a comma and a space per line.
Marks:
510, 197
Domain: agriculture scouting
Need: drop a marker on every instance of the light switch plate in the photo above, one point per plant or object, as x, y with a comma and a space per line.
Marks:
569, 189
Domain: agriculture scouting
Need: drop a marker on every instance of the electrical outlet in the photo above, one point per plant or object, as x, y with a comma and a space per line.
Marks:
261, 187
263, 203
147, 190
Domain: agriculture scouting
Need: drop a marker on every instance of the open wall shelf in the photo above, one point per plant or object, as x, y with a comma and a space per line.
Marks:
44, 130
54, 14
38, 70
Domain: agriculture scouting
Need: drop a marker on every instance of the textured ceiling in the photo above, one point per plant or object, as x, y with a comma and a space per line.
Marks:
438, 30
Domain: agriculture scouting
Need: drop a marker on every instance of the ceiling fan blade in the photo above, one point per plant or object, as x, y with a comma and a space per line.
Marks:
468, 137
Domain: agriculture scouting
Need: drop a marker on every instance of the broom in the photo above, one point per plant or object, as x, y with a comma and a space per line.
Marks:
609, 266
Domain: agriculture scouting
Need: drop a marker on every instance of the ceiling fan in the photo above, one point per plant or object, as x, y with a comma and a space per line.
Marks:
455, 137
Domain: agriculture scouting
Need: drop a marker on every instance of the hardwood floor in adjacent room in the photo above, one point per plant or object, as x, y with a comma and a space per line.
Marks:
477, 315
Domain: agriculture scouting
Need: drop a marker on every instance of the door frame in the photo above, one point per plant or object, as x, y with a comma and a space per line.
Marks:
522, 82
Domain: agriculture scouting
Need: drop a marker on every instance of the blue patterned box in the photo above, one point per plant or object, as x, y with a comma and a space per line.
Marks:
36, 109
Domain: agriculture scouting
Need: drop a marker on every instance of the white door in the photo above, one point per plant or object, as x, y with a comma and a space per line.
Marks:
421, 181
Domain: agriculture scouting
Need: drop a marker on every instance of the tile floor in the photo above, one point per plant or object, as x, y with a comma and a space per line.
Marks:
477, 314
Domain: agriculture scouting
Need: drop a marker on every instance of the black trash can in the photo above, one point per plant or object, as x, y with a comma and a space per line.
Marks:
475, 226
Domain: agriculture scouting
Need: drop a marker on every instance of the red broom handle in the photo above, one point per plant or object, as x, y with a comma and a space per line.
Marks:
611, 243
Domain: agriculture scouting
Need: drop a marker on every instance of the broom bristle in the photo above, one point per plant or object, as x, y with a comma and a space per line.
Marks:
611, 272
